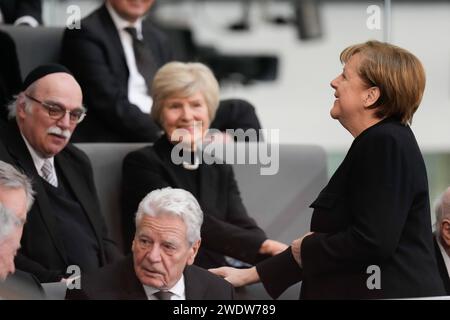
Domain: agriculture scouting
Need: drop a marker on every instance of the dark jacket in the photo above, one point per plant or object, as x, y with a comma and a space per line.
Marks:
441, 266
227, 228
373, 212
42, 252
119, 282
95, 55
14, 9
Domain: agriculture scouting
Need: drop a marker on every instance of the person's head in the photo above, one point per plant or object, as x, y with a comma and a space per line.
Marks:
379, 79
48, 109
16, 198
185, 96
131, 10
167, 238
442, 211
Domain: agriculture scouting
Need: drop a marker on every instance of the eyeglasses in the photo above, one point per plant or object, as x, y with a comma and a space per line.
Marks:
57, 112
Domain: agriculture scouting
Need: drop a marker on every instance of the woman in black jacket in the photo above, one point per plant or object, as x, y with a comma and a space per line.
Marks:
185, 98
371, 226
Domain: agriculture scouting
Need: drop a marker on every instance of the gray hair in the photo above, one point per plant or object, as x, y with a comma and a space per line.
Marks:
8, 221
12, 105
184, 79
176, 202
442, 208
11, 178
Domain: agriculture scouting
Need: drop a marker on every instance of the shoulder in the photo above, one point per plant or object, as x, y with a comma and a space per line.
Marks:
208, 280
146, 155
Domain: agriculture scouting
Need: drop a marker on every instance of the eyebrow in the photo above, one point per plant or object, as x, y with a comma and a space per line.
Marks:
82, 108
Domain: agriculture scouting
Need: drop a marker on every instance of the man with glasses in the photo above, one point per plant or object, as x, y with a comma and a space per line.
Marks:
65, 226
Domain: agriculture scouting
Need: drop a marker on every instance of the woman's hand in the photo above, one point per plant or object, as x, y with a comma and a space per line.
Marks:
296, 248
272, 247
237, 277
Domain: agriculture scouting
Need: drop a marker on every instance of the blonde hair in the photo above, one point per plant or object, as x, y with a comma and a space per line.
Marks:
183, 80
398, 74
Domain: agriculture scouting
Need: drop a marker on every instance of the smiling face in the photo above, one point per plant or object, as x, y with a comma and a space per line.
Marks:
161, 250
48, 136
131, 10
14, 200
190, 115
350, 91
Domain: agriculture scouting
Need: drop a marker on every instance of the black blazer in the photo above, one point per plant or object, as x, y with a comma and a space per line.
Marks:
374, 211
21, 286
42, 252
441, 266
227, 229
14, 9
95, 55
119, 282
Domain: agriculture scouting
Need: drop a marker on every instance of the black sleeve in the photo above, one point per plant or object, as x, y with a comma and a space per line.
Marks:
380, 195
105, 96
279, 273
244, 236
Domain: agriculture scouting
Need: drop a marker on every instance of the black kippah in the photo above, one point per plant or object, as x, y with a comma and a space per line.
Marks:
42, 71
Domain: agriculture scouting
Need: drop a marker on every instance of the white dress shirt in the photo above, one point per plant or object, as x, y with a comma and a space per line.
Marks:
445, 256
178, 291
39, 161
137, 87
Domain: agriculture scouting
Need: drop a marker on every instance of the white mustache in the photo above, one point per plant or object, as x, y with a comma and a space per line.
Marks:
57, 130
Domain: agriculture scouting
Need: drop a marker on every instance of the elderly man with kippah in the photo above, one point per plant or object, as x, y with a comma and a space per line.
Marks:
65, 226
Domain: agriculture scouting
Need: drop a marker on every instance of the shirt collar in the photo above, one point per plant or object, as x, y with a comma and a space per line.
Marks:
178, 289
121, 23
37, 159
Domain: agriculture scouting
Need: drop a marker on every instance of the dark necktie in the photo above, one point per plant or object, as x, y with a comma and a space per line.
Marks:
163, 295
145, 61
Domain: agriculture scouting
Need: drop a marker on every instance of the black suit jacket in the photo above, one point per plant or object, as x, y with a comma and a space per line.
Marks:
42, 252
119, 282
441, 266
14, 9
21, 286
95, 55
374, 211
227, 229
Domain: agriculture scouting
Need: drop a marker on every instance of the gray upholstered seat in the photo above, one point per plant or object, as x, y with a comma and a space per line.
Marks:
35, 46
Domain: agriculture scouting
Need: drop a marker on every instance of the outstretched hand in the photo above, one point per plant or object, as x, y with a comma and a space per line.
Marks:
237, 277
272, 247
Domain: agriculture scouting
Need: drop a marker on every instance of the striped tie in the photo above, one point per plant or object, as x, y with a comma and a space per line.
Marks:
48, 174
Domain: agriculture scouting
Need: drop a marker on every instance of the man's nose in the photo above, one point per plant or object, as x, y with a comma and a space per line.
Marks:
154, 254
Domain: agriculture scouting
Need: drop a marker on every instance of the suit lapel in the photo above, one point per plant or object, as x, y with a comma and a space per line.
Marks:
194, 287
21, 156
163, 149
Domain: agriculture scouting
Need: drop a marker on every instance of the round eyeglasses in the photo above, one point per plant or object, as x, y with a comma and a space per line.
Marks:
57, 112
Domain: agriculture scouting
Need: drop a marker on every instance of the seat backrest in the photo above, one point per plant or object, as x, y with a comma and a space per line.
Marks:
35, 46
279, 203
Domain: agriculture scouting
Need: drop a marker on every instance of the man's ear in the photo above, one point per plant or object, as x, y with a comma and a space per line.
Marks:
445, 232
193, 252
372, 96
20, 105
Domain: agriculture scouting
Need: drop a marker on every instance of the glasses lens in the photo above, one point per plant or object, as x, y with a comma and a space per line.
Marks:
55, 111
